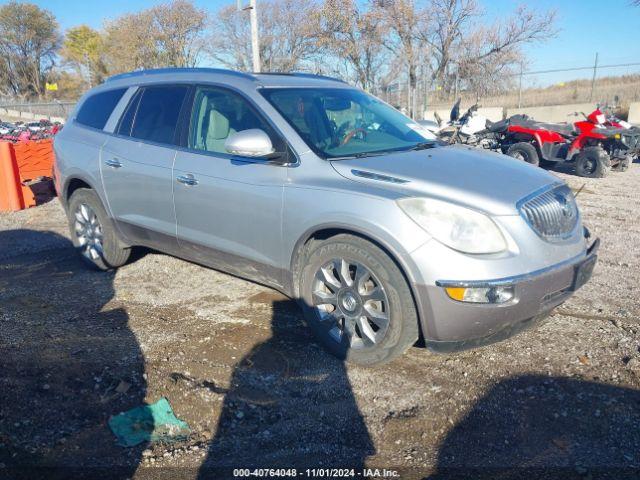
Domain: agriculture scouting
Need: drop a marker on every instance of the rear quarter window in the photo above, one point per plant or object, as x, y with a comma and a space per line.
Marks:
96, 110
157, 115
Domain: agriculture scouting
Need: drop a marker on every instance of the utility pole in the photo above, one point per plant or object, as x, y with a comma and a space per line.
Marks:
409, 113
426, 91
455, 95
593, 80
255, 41
520, 86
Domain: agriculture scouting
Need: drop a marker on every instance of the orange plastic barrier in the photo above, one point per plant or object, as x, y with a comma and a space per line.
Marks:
19, 163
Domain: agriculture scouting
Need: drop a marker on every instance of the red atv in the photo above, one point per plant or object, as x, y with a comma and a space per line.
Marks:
593, 146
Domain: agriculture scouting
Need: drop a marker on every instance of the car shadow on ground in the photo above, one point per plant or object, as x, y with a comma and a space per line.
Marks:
546, 427
285, 388
569, 168
69, 362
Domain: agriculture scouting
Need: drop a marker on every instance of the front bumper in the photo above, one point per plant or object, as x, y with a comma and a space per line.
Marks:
451, 325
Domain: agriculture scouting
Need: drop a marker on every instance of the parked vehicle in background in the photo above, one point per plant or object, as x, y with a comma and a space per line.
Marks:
21, 132
619, 140
590, 144
459, 129
326, 193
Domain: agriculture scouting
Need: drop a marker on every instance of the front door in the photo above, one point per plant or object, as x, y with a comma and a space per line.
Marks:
137, 162
228, 208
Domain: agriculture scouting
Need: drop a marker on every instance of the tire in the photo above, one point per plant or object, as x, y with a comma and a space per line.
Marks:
445, 136
93, 233
524, 151
623, 164
547, 163
373, 341
592, 162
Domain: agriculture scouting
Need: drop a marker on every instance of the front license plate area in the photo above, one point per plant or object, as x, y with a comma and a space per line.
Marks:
583, 272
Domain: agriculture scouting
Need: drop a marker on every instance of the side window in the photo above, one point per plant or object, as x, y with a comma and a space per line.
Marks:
217, 114
157, 115
126, 122
96, 110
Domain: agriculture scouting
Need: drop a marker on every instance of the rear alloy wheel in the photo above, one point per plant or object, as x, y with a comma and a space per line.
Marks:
357, 301
88, 232
92, 232
524, 151
593, 162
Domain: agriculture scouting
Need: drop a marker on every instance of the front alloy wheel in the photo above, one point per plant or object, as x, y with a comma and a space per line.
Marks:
350, 303
356, 300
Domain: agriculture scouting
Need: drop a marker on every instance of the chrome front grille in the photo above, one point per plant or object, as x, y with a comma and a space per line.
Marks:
552, 214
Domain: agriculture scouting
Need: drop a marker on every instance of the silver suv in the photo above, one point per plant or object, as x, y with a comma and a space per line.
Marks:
319, 190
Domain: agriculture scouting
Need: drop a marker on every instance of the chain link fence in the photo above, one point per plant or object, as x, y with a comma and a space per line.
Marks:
612, 83
36, 110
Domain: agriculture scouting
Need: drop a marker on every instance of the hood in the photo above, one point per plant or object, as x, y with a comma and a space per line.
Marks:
482, 180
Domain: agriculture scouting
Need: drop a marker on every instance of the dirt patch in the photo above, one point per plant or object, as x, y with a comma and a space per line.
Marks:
237, 363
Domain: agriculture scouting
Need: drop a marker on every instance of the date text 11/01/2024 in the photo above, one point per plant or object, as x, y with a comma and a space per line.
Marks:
316, 472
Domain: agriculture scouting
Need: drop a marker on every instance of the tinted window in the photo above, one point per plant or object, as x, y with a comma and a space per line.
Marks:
217, 114
126, 122
96, 110
157, 116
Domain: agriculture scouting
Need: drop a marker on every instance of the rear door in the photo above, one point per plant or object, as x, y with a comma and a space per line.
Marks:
228, 208
137, 162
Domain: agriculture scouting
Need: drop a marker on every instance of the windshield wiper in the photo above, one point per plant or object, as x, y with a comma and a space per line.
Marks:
377, 153
423, 145
360, 155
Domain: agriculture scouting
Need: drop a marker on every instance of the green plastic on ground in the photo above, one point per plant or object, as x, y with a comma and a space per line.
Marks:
149, 423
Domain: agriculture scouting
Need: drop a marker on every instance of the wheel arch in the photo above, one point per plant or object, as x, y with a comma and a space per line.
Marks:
325, 231
72, 184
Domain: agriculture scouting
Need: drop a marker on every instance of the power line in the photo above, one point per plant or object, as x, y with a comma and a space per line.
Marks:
574, 69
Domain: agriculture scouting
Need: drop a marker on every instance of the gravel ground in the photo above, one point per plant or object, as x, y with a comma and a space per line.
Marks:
236, 362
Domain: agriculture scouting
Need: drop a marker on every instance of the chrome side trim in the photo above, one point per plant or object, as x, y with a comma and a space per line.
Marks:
377, 176
515, 279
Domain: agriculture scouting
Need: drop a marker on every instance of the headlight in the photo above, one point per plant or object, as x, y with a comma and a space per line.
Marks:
457, 227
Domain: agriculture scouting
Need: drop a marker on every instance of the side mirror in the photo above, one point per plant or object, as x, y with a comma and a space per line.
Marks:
249, 143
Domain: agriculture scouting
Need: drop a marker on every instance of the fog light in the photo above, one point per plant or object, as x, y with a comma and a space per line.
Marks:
481, 294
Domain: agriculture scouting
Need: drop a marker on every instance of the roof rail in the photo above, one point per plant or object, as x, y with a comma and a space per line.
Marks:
158, 71
313, 75
301, 74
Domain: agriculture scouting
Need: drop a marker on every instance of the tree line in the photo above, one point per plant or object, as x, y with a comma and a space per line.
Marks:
377, 45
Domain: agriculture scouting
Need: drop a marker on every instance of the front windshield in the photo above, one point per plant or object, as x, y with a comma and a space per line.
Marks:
345, 122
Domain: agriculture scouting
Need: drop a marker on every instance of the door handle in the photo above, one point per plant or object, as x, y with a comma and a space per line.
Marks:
187, 180
113, 162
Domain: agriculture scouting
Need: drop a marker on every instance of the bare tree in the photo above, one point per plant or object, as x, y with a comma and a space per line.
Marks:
179, 28
481, 55
405, 24
354, 36
167, 35
130, 45
287, 37
230, 39
29, 40
449, 18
